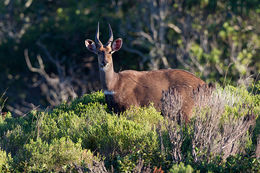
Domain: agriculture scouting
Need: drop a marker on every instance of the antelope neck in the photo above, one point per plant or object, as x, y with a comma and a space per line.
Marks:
108, 77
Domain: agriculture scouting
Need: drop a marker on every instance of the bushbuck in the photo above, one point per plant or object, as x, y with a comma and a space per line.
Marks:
139, 88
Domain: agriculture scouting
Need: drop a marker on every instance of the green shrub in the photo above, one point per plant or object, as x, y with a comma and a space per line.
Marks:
59, 155
95, 97
133, 131
88, 123
256, 90
242, 163
181, 168
5, 161
240, 101
144, 115
62, 139
235, 163
15, 132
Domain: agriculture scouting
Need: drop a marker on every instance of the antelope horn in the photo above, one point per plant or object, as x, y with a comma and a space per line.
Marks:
111, 38
97, 37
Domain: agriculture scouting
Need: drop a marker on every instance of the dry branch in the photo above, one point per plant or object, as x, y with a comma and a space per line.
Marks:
213, 133
57, 88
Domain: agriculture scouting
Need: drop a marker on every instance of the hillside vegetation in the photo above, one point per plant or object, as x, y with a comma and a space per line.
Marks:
85, 136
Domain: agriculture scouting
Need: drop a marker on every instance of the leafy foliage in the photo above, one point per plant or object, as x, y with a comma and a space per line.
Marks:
84, 135
5, 161
58, 155
181, 168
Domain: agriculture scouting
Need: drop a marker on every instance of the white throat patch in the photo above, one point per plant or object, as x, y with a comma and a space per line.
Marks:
104, 68
107, 92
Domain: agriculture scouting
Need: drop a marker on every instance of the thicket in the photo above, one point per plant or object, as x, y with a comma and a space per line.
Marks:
216, 40
85, 136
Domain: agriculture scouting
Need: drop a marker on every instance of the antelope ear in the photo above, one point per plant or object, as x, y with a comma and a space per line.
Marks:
117, 44
91, 45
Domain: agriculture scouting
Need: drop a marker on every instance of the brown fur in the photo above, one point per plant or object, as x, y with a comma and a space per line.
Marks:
145, 87
140, 88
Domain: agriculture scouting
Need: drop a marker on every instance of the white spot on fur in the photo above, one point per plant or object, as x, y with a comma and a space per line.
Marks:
107, 92
104, 68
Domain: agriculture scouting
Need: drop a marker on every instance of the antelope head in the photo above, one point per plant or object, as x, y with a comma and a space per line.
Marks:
104, 52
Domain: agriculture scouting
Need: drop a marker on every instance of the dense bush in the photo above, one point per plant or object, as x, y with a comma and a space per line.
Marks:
86, 136
181, 168
5, 160
41, 156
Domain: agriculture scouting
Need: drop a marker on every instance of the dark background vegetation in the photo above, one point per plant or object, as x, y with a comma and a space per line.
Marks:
218, 40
